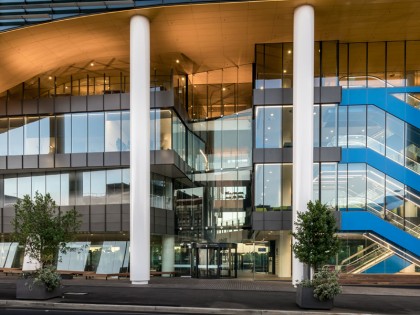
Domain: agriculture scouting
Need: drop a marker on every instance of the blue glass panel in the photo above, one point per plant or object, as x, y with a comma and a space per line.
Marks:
357, 126
4, 128
96, 132
125, 131
31, 136
16, 136
113, 140
79, 133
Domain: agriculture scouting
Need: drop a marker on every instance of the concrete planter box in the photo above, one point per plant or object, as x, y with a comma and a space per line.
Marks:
305, 299
26, 290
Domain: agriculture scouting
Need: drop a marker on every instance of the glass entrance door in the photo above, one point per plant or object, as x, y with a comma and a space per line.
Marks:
215, 260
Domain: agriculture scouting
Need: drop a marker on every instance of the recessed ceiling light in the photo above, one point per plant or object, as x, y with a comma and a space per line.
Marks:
224, 89
177, 61
284, 71
92, 64
289, 51
50, 78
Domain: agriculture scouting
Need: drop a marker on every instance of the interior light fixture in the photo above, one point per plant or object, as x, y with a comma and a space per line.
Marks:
50, 78
92, 64
224, 89
177, 61
284, 71
289, 51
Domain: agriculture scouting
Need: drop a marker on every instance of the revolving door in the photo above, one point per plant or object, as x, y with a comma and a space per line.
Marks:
214, 260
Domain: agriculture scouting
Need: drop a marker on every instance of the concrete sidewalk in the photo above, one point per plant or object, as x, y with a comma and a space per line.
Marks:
213, 296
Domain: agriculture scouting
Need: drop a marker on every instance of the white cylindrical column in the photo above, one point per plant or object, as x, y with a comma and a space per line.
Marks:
168, 253
303, 102
139, 150
284, 249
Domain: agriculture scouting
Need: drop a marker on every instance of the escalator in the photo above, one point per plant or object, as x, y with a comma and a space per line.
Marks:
395, 247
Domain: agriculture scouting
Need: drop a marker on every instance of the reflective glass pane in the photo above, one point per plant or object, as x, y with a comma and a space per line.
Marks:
342, 126
31, 136
126, 185
113, 142
47, 135
376, 129
412, 63
395, 139
268, 187
65, 189
329, 63
329, 126
356, 186
24, 186
375, 191
356, 126
63, 133
395, 63
394, 200
287, 126
10, 191
113, 186
96, 132
317, 130
53, 187
412, 211
343, 65
16, 136
98, 187
82, 188
342, 186
38, 184
4, 128
125, 131
412, 148
79, 133
329, 184
357, 65
244, 136
286, 186
376, 64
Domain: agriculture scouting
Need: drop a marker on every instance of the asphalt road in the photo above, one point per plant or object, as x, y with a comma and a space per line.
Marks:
12, 311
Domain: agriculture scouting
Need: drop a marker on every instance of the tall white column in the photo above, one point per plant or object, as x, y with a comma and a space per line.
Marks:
139, 150
303, 101
168, 253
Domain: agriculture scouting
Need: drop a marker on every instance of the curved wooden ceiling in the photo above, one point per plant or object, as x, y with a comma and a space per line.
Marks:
209, 36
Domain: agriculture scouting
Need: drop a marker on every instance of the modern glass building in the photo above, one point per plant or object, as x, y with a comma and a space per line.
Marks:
188, 134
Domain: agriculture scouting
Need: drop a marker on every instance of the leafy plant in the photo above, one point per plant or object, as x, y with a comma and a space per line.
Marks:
315, 243
325, 284
42, 229
315, 237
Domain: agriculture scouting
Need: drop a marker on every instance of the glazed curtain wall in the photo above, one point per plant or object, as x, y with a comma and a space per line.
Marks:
356, 126
92, 187
374, 64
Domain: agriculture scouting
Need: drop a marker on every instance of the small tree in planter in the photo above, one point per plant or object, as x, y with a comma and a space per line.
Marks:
44, 232
315, 243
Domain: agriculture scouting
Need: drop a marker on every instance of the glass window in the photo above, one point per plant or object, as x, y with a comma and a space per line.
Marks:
329, 63
357, 126
376, 64
287, 126
16, 136
98, 187
395, 139
357, 65
356, 186
395, 63
79, 133
24, 186
53, 187
38, 184
316, 126
376, 129
164, 131
329, 125
230, 142
343, 65
342, 186
10, 191
287, 65
96, 132
113, 186
286, 186
267, 187
412, 63
412, 148
375, 190
329, 184
412, 210
113, 142
342, 126
82, 188
47, 135
126, 185
63, 133
394, 199
268, 127
31, 135
125, 131
65, 190
244, 136
153, 129
4, 128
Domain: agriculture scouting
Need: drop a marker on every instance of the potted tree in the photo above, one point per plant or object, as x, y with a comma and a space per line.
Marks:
315, 243
43, 231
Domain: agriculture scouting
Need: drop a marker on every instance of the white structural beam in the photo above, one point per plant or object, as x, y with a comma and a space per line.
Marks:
139, 150
303, 103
